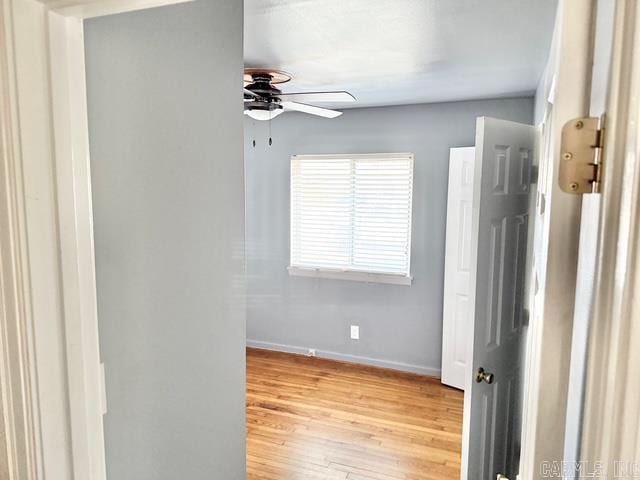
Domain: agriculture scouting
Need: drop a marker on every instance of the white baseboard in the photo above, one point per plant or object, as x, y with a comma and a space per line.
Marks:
344, 357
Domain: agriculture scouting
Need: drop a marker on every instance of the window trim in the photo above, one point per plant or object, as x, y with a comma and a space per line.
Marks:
347, 274
335, 274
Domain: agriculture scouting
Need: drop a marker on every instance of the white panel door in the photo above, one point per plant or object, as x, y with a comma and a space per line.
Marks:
457, 309
492, 411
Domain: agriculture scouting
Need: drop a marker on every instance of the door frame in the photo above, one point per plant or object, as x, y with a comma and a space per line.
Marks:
566, 91
50, 375
51, 379
611, 428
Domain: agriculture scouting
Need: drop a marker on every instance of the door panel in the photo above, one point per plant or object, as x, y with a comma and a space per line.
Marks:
457, 309
500, 225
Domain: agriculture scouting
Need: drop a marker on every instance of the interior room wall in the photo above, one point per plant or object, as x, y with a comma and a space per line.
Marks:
400, 326
165, 121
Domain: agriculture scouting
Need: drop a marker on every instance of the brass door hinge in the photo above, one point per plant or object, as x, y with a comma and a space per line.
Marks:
581, 155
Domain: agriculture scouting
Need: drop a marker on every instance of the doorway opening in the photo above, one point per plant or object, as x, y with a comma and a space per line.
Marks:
345, 230
147, 341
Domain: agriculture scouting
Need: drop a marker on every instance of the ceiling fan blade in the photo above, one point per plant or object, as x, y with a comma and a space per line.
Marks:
318, 97
249, 92
304, 108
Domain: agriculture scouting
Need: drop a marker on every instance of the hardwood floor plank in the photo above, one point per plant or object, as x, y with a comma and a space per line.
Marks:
316, 419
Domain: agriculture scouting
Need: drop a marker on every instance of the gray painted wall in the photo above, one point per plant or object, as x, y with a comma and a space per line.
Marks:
166, 156
401, 326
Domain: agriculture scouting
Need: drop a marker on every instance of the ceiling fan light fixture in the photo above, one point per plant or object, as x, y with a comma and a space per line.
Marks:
263, 115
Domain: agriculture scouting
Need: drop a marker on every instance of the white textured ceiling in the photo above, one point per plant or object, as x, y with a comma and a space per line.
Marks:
390, 52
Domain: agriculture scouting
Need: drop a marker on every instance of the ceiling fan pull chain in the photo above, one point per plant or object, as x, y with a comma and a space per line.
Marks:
253, 133
270, 140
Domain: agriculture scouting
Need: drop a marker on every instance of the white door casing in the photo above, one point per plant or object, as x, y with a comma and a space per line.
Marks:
457, 309
565, 87
492, 412
611, 417
588, 246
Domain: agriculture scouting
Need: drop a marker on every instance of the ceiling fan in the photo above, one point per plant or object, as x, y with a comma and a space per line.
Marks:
264, 101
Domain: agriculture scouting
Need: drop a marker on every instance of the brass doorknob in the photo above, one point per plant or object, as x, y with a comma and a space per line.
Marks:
482, 376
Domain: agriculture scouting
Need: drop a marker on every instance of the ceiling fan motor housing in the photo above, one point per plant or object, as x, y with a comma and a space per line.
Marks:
263, 104
266, 92
262, 86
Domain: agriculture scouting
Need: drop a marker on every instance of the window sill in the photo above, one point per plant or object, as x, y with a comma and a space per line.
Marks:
350, 275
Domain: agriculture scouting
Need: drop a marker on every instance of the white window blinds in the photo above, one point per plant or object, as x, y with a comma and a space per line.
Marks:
352, 213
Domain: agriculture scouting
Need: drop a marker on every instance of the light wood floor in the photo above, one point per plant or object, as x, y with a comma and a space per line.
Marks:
313, 419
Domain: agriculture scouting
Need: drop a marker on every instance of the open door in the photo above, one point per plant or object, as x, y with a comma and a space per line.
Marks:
457, 308
492, 410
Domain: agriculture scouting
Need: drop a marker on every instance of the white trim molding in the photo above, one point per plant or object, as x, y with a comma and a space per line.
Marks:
339, 156
353, 275
82, 9
20, 453
611, 430
77, 263
37, 301
556, 247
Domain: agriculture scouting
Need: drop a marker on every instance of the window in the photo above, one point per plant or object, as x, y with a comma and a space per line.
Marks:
351, 216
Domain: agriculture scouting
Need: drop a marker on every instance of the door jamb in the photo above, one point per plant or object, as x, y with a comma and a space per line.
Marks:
611, 429
555, 268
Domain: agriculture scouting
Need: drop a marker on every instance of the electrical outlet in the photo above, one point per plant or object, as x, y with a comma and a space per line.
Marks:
311, 352
355, 332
